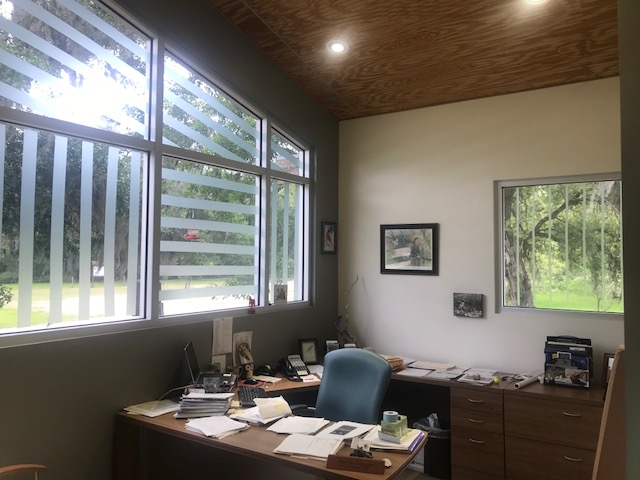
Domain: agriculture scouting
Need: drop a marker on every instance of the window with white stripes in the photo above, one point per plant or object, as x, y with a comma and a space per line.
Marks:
99, 209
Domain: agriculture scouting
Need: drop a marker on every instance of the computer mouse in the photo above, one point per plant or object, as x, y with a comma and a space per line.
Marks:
250, 381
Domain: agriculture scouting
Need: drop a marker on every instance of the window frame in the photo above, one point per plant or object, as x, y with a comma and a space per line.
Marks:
499, 262
151, 198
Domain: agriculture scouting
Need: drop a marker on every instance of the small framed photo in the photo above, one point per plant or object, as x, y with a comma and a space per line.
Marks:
279, 293
308, 350
409, 249
468, 305
607, 365
329, 239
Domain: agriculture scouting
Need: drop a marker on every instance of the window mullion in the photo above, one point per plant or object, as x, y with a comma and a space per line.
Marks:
151, 202
267, 257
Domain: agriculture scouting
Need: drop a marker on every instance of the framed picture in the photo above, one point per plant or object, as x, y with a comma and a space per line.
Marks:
409, 249
329, 239
308, 350
607, 365
280, 293
468, 305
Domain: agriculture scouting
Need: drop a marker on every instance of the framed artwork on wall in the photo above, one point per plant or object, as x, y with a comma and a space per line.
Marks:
329, 238
409, 249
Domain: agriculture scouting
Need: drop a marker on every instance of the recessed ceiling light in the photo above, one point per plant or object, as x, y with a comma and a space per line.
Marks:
535, 2
337, 46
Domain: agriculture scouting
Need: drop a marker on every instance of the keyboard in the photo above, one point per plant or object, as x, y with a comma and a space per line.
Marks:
246, 394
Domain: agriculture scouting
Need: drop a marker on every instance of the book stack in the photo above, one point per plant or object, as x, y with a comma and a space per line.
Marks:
397, 363
196, 404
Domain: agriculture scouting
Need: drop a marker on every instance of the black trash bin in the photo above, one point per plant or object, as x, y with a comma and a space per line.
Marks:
437, 450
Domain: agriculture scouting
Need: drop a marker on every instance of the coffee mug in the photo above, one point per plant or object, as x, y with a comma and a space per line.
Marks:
390, 416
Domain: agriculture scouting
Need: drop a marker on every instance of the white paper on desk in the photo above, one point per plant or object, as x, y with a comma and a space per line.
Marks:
375, 441
445, 374
317, 369
252, 415
413, 372
267, 378
271, 407
310, 378
309, 446
155, 408
425, 365
343, 430
294, 424
215, 426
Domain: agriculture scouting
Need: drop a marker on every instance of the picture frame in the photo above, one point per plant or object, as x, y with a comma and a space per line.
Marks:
308, 348
470, 305
329, 237
409, 249
607, 365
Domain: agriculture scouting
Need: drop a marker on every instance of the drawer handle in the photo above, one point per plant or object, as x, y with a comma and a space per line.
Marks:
571, 459
475, 401
472, 420
569, 414
475, 441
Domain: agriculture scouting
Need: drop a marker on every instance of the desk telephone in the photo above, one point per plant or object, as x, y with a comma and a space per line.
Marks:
293, 368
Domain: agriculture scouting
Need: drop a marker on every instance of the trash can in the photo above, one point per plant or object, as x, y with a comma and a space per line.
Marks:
437, 450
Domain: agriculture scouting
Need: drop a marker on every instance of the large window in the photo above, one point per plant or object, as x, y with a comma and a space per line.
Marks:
84, 178
561, 244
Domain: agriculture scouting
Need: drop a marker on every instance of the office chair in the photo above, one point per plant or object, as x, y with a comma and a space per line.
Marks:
353, 385
22, 468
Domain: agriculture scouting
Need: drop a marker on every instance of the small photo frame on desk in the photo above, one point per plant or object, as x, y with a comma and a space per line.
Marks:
308, 348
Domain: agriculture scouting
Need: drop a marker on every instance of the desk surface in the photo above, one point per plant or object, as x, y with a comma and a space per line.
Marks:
259, 443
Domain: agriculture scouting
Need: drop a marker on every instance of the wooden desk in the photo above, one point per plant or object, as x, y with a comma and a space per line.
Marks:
152, 448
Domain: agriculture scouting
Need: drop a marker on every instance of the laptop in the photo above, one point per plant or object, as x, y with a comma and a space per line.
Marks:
212, 382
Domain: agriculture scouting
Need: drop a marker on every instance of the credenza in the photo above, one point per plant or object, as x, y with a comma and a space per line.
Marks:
500, 432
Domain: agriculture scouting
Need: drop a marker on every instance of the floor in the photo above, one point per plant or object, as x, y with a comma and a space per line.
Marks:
413, 475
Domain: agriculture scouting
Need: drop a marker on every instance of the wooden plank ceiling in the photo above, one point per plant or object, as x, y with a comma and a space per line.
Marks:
406, 54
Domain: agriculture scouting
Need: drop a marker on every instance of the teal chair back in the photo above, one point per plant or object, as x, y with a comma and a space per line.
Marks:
353, 385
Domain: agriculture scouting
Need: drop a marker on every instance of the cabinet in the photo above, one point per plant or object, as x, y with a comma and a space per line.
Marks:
477, 435
551, 432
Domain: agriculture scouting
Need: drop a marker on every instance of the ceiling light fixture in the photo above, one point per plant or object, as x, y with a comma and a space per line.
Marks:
337, 46
535, 2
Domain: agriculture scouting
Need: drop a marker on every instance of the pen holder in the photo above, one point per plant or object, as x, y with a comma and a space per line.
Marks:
396, 428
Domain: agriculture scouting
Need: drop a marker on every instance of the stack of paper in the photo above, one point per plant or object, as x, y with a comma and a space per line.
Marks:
306, 425
216, 427
308, 446
407, 443
344, 429
195, 404
154, 408
252, 415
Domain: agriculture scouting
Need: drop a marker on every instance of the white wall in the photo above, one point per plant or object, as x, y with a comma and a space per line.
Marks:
438, 165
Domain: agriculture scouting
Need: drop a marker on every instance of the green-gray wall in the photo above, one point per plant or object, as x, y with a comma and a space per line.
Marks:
59, 398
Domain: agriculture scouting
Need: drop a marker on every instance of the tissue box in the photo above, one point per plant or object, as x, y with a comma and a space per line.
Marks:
397, 429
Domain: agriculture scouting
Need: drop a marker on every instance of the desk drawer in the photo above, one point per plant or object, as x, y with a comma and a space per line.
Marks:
476, 420
478, 451
532, 460
480, 400
550, 421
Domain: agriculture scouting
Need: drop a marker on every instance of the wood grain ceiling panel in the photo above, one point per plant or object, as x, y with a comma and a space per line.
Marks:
410, 54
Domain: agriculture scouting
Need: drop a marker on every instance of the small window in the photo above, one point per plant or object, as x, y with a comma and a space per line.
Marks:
561, 244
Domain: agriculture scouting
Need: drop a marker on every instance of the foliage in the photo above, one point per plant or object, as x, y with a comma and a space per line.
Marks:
558, 235
5, 295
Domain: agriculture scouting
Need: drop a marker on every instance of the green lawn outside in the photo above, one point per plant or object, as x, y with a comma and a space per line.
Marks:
70, 291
